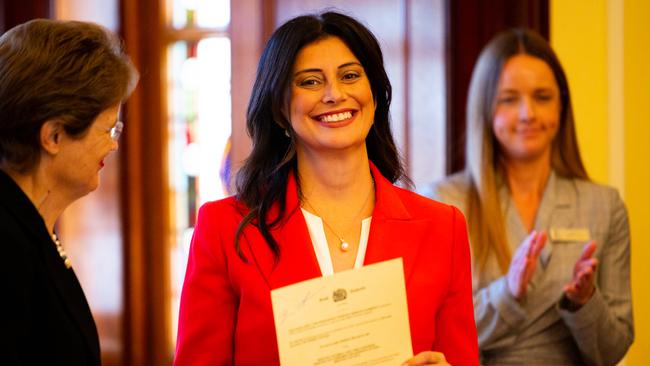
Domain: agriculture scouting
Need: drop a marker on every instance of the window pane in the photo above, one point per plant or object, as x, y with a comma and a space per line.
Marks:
201, 13
199, 130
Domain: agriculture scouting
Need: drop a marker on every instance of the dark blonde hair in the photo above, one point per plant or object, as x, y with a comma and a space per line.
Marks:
65, 70
485, 219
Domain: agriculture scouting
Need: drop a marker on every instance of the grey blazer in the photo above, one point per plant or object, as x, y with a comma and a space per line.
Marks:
538, 330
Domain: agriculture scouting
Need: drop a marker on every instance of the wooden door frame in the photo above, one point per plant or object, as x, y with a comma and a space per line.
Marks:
471, 25
145, 193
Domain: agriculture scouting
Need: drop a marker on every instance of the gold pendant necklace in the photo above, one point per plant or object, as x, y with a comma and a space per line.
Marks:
62, 254
344, 246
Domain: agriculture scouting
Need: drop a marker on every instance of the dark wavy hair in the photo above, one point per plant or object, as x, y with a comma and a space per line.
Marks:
66, 70
262, 180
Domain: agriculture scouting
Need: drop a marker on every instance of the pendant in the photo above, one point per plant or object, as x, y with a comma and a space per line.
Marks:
344, 246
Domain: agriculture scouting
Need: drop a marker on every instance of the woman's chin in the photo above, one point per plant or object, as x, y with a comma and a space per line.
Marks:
91, 186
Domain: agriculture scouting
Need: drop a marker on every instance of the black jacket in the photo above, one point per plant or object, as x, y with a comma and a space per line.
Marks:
44, 315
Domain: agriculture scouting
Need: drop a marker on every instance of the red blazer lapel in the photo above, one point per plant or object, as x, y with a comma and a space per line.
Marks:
297, 261
393, 231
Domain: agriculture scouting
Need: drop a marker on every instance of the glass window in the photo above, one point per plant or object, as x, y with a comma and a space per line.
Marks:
199, 120
201, 13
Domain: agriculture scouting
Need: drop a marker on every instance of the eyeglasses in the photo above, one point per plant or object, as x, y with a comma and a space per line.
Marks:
116, 130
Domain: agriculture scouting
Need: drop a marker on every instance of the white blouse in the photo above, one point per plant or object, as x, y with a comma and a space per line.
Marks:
319, 240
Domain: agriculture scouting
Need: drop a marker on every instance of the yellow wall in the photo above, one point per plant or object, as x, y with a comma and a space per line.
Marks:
579, 34
637, 166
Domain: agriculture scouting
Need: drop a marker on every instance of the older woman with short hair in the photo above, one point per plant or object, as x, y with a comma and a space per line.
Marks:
61, 87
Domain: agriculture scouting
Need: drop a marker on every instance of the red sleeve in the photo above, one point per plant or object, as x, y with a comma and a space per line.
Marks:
456, 330
208, 304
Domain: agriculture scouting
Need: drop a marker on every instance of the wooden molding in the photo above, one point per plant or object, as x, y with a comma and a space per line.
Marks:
472, 23
146, 196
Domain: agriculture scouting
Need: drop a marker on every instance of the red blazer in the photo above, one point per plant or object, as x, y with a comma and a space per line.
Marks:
226, 316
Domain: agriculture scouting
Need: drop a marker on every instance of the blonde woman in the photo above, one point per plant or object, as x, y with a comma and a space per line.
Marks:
550, 248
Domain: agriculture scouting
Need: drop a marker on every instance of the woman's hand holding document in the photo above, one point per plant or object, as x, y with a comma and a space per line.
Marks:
356, 317
427, 358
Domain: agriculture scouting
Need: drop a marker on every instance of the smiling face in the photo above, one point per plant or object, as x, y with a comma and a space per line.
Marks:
527, 111
331, 106
76, 166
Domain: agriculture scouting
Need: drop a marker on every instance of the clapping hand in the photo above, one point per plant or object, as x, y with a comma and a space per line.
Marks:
582, 286
524, 262
427, 358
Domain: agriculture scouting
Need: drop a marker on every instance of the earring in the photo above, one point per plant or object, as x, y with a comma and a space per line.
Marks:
286, 133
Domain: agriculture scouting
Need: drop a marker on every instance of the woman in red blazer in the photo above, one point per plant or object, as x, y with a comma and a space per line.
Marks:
316, 196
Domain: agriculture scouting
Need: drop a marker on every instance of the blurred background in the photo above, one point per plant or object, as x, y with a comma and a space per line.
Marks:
185, 127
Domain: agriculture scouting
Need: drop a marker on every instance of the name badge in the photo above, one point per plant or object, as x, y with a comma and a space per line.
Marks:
569, 234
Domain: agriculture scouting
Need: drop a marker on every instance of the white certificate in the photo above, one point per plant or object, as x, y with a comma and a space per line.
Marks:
356, 317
